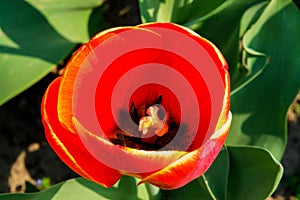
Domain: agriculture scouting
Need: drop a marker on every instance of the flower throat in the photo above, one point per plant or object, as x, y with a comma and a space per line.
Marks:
154, 126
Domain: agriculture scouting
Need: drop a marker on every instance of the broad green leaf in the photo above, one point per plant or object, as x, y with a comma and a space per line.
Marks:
254, 173
217, 175
221, 26
251, 15
79, 188
196, 188
69, 18
217, 20
235, 174
260, 107
33, 41
152, 191
238, 170
177, 11
156, 10
244, 73
29, 47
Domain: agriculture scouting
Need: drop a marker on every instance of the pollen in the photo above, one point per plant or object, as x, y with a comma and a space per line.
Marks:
152, 125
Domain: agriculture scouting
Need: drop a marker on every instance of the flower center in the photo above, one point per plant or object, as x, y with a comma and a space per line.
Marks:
152, 126
155, 128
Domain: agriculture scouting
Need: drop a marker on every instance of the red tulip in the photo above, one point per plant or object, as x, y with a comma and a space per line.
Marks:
150, 101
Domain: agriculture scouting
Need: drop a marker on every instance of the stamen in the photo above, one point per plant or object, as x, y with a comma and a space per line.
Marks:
151, 126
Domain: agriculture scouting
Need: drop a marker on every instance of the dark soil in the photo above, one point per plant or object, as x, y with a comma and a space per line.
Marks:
21, 128
26, 156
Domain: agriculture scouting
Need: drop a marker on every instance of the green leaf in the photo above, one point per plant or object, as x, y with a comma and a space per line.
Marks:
235, 174
156, 10
217, 175
79, 188
177, 11
254, 173
239, 172
69, 18
251, 15
36, 35
218, 21
196, 188
153, 191
221, 26
260, 107
244, 73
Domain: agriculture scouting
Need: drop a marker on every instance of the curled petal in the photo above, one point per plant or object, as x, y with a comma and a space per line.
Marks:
65, 100
191, 165
68, 146
226, 103
124, 159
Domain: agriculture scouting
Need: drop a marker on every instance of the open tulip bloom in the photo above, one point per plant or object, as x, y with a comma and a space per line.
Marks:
149, 101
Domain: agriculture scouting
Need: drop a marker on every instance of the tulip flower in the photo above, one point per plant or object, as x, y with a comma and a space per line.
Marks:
149, 101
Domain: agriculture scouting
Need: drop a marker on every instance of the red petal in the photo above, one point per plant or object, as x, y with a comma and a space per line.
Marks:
226, 103
125, 159
210, 47
219, 110
70, 74
190, 118
68, 146
209, 111
181, 169
191, 165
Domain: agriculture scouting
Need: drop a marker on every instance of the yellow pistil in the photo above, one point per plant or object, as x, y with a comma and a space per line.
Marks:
151, 125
